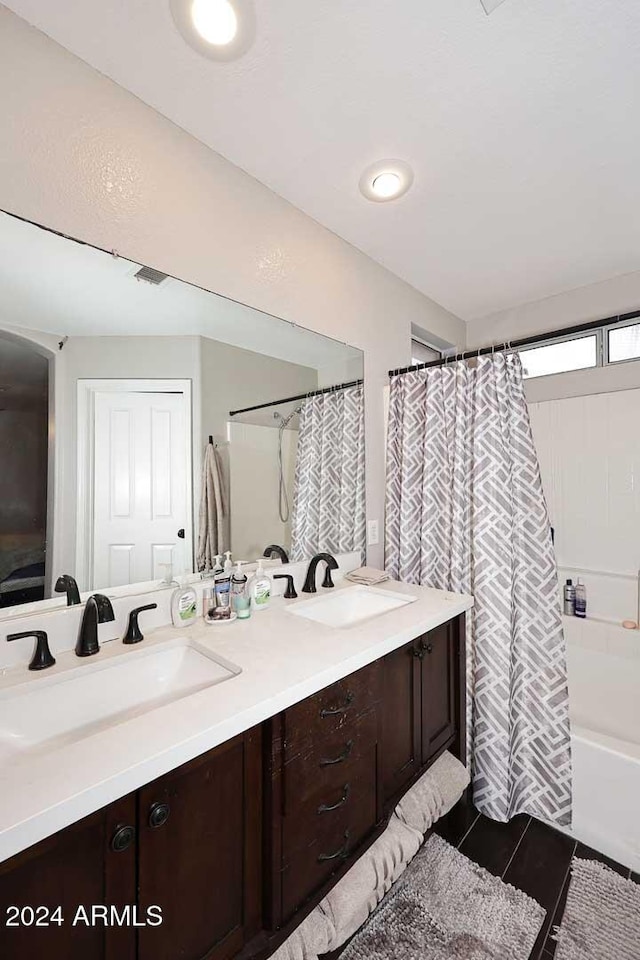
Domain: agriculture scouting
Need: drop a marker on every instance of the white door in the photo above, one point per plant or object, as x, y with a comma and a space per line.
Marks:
141, 502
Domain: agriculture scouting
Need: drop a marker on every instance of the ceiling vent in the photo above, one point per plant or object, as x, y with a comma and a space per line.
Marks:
149, 275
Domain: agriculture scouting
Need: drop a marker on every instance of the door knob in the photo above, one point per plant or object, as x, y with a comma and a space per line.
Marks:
181, 533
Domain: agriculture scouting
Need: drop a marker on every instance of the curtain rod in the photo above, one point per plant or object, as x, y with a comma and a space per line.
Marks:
300, 396
514, 344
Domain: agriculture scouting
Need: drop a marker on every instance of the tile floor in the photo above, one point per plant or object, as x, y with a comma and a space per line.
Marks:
526, 853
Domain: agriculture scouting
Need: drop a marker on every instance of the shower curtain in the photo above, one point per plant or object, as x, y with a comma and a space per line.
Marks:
328, 495
466, 512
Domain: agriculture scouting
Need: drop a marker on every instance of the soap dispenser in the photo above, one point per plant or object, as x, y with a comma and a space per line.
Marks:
228, 564
260, 588
184, 605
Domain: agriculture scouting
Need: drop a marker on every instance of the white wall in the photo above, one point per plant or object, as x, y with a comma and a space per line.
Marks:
594, 302
255, 475
81, 155
590, 463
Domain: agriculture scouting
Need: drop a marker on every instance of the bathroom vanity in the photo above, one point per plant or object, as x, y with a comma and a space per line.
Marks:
309, 748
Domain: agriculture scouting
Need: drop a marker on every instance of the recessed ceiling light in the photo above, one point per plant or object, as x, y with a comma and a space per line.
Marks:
215, 21
218, 29
386, 180
387, 185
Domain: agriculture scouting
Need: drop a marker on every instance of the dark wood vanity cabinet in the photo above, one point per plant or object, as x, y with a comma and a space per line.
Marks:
238, 845
189, 843
199, 855
92, 862
422, 707
321, 792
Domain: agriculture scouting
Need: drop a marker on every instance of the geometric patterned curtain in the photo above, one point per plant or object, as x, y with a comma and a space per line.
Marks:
466, 512
329, 494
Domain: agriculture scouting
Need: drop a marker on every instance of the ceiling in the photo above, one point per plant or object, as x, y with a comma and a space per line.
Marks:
520, 126
55, 285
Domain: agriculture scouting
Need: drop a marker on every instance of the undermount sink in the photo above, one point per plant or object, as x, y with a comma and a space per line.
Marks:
349, 606
61, 709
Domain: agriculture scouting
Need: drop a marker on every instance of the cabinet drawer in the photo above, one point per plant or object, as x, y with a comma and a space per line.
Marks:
326, 810
310, 866
330, 710
323, 766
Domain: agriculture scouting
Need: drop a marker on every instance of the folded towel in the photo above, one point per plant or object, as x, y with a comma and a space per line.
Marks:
434, 794
367, 576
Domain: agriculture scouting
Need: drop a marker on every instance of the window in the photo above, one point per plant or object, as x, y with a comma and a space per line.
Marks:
578, 353
423, 353
623, 343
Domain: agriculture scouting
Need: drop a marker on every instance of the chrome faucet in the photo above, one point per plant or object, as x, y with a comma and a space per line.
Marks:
310, 581
97, 610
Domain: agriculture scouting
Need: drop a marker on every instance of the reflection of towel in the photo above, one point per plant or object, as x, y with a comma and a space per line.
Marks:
212, 511
368, 576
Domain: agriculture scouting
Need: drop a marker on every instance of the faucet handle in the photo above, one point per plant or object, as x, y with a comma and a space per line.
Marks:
42, 656
290, 592
134, 634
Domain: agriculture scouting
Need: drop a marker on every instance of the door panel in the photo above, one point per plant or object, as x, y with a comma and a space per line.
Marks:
75, 867
400, 757
197, 861
141, 478
439, 672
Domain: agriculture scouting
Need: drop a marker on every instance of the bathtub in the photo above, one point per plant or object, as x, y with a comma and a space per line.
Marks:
604, 697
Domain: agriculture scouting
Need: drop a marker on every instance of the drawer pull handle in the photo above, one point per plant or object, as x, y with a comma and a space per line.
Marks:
327, 807
343, 756
336, 711
340, 854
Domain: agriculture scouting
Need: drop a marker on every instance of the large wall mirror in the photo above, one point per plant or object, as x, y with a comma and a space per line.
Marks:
145, 421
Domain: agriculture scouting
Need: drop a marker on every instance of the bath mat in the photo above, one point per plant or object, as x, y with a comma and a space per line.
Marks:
602, 917
447, 908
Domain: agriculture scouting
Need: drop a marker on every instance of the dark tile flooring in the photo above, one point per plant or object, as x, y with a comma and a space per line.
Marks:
526, 853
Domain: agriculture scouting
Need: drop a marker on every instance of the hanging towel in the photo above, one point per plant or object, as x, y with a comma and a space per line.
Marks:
212, 510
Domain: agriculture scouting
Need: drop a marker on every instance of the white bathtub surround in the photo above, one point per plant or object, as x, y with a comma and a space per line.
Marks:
466, 511
355, 897
283, 659
604, 687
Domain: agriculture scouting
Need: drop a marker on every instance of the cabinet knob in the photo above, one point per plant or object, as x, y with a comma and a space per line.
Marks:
158, 814
122, 838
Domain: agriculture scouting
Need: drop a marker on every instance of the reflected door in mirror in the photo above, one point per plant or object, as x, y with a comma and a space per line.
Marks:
141, 503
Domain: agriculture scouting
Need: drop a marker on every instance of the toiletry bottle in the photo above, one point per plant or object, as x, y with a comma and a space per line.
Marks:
208, 601
222, 591
260, 587
569, 599
238, 584
218, 566
228, 564
581, 599
184, 605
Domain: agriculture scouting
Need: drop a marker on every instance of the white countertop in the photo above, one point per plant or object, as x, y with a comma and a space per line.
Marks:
283, 660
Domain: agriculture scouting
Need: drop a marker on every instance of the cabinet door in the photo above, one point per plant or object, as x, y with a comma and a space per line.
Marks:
89, 864
400, 755
439, 681
199, 855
